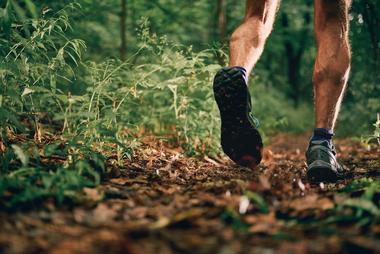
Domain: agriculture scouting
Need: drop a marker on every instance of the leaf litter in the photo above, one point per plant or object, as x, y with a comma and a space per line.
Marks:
161, 201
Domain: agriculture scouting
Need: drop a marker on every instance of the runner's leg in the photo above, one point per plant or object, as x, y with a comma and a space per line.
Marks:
331, 72
248, 40
240, 139
332, 65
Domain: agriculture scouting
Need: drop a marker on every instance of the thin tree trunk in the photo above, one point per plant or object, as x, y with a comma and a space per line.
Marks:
123, 34
218, 32
222, 20
371, 19
294, 55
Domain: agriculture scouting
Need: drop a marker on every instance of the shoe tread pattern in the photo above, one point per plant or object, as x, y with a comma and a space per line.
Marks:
239, 135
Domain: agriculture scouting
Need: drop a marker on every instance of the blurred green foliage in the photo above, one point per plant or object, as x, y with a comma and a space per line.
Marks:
285, 68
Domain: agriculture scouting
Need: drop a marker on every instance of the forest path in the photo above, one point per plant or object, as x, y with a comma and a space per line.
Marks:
163, 202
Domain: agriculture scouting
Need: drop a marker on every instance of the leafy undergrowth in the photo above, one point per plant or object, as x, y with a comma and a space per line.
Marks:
161, 201
64, 117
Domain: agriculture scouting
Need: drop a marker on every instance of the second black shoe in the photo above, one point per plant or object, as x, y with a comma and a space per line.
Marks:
322, 163
240, 139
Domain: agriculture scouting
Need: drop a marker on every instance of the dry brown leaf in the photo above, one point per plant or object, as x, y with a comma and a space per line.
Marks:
2, 147
208, 159
264, 181
267, 156
254, 218
103, 214
263, 223
93, 194
311, 202
294, 248
149, 165
138, 212
125, 181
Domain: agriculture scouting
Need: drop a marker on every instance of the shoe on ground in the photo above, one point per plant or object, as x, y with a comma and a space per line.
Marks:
322, 163
240, 139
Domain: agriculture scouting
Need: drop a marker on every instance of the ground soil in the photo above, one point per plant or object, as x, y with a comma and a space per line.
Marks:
164, 202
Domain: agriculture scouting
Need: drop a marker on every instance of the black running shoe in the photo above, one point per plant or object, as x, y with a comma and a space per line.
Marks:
240, 138
322, 163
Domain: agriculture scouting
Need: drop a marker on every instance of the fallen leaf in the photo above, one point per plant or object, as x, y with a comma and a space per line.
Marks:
93, 194
125, 181
103, 214
263, 223
267, 156
311, 202
264, 181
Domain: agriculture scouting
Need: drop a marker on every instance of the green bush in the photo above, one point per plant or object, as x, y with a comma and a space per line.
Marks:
51, 97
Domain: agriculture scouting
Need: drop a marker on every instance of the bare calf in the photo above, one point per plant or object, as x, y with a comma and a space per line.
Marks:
248, 40
332, 64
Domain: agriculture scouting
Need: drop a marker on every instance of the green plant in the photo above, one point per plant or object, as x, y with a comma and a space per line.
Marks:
39, 64
375, 137
71, 114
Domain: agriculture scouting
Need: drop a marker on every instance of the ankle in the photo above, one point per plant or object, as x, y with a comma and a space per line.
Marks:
243, 71
321, 134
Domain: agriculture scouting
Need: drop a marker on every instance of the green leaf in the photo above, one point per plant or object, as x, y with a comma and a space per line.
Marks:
371, 190
6, 20
231, 217
20, 155
258, 200
31, 8
21, 15
51, 149
9, 118
362, 204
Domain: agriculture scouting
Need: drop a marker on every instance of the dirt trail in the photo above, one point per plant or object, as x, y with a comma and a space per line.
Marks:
163, 202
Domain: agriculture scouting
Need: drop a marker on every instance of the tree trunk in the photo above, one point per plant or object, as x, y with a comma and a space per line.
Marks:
221, 10
294, 55
372, 21
123, 34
